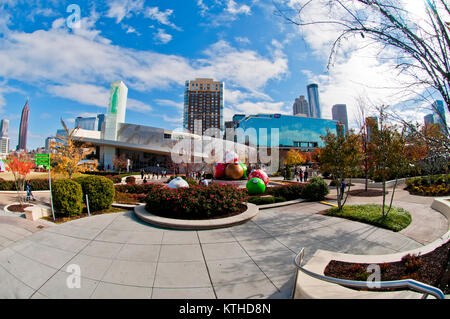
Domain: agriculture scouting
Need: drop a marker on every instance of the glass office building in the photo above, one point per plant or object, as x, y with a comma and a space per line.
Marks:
294, 132
314, 101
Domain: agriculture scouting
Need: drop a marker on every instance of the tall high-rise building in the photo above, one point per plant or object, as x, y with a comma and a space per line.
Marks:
24, 128
439, 114
48, 143
203, 107
314, 101
340, 114
301, 107
429, 119
4, 138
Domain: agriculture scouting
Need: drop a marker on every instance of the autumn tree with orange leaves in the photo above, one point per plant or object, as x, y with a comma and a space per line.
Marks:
20, 167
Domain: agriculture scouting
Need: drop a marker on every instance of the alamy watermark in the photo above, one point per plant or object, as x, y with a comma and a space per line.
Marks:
73, 281
73, 21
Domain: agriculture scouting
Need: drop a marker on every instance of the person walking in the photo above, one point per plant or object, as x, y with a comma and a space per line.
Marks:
145, 180
306, 175
142, 174
29, 192
343, 187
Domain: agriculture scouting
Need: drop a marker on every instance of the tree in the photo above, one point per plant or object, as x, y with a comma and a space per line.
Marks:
294, 157
20, 167
420, 48
120, 162
340, 156
389, 155
69, 153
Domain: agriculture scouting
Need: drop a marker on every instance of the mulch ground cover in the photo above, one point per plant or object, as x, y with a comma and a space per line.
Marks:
432, 269
368, 193
18, 208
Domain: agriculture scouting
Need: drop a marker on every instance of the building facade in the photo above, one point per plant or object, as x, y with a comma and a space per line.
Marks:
301, 107
23, 132
87, 123
429, 119
314, 101
439, 115
293, 132
4, 138
203, 107
340, 114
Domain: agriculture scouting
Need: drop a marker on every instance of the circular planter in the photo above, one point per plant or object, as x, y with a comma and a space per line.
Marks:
13, 204
144, 215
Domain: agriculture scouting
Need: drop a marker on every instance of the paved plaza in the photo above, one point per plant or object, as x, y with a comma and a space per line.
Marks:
122, 257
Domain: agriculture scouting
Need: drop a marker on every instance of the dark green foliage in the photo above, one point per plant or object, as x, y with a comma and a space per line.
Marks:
265, 200
289, 192
100, 191
115, 179
67, 197
36, 185
196, 202
316, 189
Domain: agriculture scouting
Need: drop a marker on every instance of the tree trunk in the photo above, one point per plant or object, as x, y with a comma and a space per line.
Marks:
384, 198
392, 197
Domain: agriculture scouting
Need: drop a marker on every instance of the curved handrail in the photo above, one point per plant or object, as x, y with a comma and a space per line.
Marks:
407, 283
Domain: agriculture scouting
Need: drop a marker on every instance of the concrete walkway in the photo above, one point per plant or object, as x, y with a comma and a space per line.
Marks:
120, 257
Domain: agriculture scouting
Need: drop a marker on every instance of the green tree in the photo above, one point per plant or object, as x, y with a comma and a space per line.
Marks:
340, 156
389, 154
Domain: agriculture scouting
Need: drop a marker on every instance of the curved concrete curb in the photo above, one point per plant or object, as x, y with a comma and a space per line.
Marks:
144, 215
307, 287
16, 213
126, 206
442, 205
282, 204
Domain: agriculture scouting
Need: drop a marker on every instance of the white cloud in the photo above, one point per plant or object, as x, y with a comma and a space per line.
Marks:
121, 9
162, 37
93, 95
163, 102
163, 17
235, 9
242, 40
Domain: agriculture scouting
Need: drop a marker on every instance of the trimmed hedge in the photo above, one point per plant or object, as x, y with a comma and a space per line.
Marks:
258, 200
67, 197
36, 185
115, 179
130, 180
316, 189
100, 191
436, 185
288, 192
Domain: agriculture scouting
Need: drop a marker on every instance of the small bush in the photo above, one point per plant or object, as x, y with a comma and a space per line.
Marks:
288, 192
429, 185
412, 263
100, 191
258, 200
316, 189
115, 179
130, 180
67, 197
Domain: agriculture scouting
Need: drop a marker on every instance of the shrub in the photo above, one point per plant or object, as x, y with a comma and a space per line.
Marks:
429, 185
115, 179
316, 189
124, 198
100, 191
196, 202
288, 192
412, 263
261, 200
7, 185
130, 180
67, 197
135, 188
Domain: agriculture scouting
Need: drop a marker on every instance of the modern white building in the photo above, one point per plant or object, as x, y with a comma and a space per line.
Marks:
150, 146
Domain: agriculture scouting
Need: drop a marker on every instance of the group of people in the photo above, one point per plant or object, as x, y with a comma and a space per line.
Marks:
301, 175
145, 176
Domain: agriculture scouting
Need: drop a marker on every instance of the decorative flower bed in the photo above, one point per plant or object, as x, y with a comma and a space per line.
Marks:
429, 185
196, 202
432, 269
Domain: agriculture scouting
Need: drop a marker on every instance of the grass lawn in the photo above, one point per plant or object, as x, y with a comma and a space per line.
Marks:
397, 220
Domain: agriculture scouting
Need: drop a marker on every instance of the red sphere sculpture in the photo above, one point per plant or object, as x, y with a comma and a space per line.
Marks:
259, 174
219, 170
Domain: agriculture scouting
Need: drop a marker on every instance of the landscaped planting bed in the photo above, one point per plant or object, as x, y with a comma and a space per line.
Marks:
429, 185
397, 220
368, 193
196, 202
18, 208
432, 269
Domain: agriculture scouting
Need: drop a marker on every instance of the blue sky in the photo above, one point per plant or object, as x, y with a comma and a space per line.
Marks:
154, 47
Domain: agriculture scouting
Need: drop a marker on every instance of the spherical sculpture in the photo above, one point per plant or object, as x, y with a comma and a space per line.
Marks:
259, 174
256, 186
244, 167
219, 170
231, 158
178, 182
234, 171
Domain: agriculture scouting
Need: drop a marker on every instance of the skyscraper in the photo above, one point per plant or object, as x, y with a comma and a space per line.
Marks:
314, 101
203, 107
4, 138
301, 107
439, 114
429, 119
340, 114
24, 128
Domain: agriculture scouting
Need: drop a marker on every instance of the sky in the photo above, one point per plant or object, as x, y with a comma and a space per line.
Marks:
65, 67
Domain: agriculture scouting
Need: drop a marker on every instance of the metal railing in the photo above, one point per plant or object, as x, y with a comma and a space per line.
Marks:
408, 283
